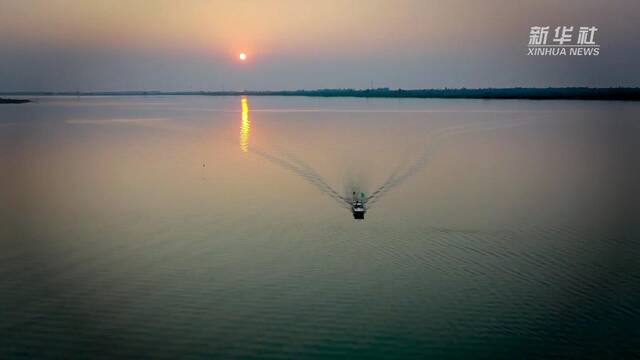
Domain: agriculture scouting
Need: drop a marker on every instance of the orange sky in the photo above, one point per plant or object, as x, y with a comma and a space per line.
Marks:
256, 26
293, 44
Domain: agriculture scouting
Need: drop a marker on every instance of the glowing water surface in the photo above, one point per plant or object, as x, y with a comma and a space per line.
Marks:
217, 227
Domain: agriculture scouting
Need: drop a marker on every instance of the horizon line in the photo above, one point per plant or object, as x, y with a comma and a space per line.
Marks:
515, 93
384, 88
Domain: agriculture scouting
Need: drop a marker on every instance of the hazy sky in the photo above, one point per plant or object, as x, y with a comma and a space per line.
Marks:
85, 45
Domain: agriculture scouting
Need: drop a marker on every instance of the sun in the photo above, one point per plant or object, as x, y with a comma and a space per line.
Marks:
242, 56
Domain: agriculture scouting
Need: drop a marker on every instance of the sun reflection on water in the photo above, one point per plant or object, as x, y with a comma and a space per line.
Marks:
245, 126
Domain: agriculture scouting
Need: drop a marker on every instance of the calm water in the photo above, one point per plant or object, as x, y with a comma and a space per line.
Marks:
185, 227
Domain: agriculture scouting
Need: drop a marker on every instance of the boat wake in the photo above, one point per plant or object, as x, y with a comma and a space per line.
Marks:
303, 170
435, 141
354, 197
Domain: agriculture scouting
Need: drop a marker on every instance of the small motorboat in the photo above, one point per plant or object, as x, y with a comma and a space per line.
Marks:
358, 210
358, 207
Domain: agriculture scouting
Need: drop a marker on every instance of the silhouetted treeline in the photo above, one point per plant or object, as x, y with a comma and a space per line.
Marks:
583, 93
13, 101
569, 93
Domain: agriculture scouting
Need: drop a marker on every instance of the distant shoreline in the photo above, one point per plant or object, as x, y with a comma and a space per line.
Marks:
565, 93
14, 101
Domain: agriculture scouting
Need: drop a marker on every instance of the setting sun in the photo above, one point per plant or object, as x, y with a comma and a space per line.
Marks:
243, 56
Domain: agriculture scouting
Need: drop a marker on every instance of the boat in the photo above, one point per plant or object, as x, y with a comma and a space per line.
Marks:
358, 208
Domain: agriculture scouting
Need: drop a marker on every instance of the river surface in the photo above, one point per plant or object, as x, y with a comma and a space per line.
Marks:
218, 227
